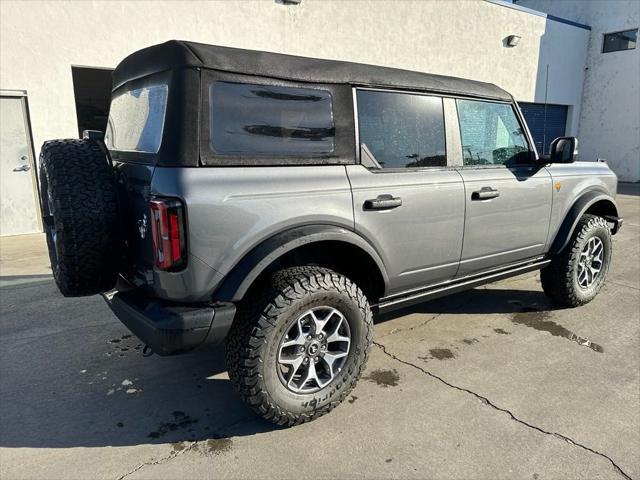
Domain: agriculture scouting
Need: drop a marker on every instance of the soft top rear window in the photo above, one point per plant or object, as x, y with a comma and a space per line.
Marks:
270, 120
136, 119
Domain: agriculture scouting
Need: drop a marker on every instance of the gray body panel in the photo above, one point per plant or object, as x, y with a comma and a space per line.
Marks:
575, 180
508, 228
437, 235
232, 210
420, 241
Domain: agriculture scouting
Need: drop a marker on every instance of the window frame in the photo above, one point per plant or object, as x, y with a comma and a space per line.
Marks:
535, 159
342, 117
445, 132
604, 36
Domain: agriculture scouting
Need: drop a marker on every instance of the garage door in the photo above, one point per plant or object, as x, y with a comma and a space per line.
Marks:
545, 123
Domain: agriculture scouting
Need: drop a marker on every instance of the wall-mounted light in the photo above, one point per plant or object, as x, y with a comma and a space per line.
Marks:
512, 40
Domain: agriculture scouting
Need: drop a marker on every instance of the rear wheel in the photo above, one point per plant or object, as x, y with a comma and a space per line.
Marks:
299, 344
576, 275
79, 210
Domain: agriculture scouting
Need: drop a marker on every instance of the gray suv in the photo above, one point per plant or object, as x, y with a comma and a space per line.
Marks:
275, 203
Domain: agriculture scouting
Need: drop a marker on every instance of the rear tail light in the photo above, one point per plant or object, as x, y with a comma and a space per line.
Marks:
167, 225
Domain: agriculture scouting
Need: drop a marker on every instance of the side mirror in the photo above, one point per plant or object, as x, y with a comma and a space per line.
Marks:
563, 150
92, 135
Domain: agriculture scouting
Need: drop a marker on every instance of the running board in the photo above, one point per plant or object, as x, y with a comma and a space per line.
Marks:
455, 287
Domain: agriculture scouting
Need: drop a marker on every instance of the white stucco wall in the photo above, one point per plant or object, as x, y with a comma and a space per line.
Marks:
610, 117
39, 41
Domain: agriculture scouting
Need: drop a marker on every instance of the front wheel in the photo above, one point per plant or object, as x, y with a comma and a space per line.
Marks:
299, 344
576, 275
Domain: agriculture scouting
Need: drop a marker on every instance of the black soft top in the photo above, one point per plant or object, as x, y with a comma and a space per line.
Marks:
177, 54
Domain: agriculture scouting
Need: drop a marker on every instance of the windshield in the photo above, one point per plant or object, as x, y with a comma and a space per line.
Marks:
136, 120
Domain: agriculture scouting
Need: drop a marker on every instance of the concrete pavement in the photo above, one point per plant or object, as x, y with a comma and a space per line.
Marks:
492, 383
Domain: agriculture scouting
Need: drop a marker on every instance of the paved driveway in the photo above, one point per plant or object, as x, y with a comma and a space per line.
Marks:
493, 383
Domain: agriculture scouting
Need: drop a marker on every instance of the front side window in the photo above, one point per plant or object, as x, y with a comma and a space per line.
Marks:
491, 134
615, 42
401, 130
136, 120
270, 120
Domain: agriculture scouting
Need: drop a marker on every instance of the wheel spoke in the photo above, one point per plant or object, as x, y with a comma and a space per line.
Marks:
335, 334
312, 374
330, 360
295, 366
297, 340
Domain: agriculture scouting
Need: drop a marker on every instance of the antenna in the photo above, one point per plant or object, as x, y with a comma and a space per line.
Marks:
544, 121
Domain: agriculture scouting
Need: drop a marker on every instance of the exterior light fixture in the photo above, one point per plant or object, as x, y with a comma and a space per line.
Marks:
512, 40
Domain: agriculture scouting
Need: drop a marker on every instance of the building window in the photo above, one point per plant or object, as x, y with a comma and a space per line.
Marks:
402, 130
617, 41
251, 119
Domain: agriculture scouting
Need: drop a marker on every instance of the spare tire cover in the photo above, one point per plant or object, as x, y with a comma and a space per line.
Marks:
79, 211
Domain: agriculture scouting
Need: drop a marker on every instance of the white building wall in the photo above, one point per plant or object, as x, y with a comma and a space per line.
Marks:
40, 40
610, 117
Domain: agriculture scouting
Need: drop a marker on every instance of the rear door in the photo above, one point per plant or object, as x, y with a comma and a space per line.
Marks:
508, 196
408, 202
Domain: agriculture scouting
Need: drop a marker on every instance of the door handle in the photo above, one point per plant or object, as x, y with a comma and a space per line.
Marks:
22, 168
485, 193
383, 202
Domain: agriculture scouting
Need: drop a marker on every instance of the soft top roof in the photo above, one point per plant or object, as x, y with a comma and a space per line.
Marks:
176, 54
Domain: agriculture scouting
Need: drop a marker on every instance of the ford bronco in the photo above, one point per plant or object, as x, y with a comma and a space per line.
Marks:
275, 203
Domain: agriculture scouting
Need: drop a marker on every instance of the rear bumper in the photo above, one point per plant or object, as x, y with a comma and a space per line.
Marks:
170, 328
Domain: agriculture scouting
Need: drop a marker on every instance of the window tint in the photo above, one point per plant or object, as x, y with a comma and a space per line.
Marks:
401, 130
491, 134
614, 42
270, 120
136, 120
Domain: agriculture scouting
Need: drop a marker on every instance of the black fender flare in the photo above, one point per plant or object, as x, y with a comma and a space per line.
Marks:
579, 208
257, 260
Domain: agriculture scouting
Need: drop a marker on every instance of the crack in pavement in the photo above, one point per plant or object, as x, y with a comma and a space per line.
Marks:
488, 402
434, 317
177, 453
408, 329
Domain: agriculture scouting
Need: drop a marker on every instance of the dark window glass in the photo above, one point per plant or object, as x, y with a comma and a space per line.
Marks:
269, 120
614, 42
491, 134
401, 130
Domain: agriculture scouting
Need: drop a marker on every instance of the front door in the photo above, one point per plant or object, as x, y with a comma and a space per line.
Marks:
508, 197
407, 201
18, 208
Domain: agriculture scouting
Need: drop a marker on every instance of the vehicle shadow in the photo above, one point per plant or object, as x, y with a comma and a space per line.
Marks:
479, 301
71, 375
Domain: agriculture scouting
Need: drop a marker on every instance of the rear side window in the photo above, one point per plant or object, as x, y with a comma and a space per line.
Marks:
491, 134
136, 120
270, 120
401, 130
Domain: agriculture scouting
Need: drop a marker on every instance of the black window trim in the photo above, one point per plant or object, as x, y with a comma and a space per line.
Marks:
357, 146
604, 35
523, 125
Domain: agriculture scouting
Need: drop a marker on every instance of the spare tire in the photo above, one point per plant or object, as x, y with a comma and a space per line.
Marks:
79, 210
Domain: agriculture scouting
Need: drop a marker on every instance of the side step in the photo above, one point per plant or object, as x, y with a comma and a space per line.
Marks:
431, 293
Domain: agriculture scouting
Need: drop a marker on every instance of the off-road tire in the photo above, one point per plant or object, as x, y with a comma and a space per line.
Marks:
79, 207
559, 279
252, 343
